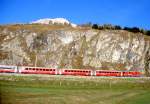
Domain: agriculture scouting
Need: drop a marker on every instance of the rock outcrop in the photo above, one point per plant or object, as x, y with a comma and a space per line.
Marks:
66, 47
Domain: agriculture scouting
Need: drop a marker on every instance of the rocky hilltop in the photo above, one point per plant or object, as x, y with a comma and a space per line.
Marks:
54, 21
67, 47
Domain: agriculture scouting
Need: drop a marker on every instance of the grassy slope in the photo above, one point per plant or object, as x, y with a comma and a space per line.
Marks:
59, 90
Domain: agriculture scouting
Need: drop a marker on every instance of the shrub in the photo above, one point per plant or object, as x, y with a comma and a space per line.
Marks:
135, 29
117, 27
94, 26
148, 33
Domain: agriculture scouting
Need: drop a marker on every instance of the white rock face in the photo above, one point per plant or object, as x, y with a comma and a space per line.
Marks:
47, 21
67, 40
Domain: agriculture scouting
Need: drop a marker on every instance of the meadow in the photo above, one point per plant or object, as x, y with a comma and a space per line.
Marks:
56, 89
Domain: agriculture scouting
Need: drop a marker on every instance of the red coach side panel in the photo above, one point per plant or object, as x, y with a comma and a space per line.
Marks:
76, 72
108, 73
32, 70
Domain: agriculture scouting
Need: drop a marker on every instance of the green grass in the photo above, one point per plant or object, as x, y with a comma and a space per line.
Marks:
73, 90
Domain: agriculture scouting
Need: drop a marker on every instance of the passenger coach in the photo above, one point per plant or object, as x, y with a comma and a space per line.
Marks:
8, 69
37, 70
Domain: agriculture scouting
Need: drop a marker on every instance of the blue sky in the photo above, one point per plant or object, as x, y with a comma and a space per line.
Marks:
120, 12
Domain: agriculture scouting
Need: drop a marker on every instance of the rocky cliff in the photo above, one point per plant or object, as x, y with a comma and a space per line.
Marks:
67, 47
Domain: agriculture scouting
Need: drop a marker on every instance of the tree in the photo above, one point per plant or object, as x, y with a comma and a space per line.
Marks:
100, 27
108, 26
117, 27
135, 29
94, 26
148, 33
127, 28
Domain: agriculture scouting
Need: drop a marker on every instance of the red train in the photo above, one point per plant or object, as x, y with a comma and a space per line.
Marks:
78, 72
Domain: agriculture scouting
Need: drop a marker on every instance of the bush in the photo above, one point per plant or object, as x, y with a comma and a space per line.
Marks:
100, 27
147, 33
135, 30
94, 26
108, 26
117, 27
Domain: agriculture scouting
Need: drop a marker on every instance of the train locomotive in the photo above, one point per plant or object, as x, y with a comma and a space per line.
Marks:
77, 72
